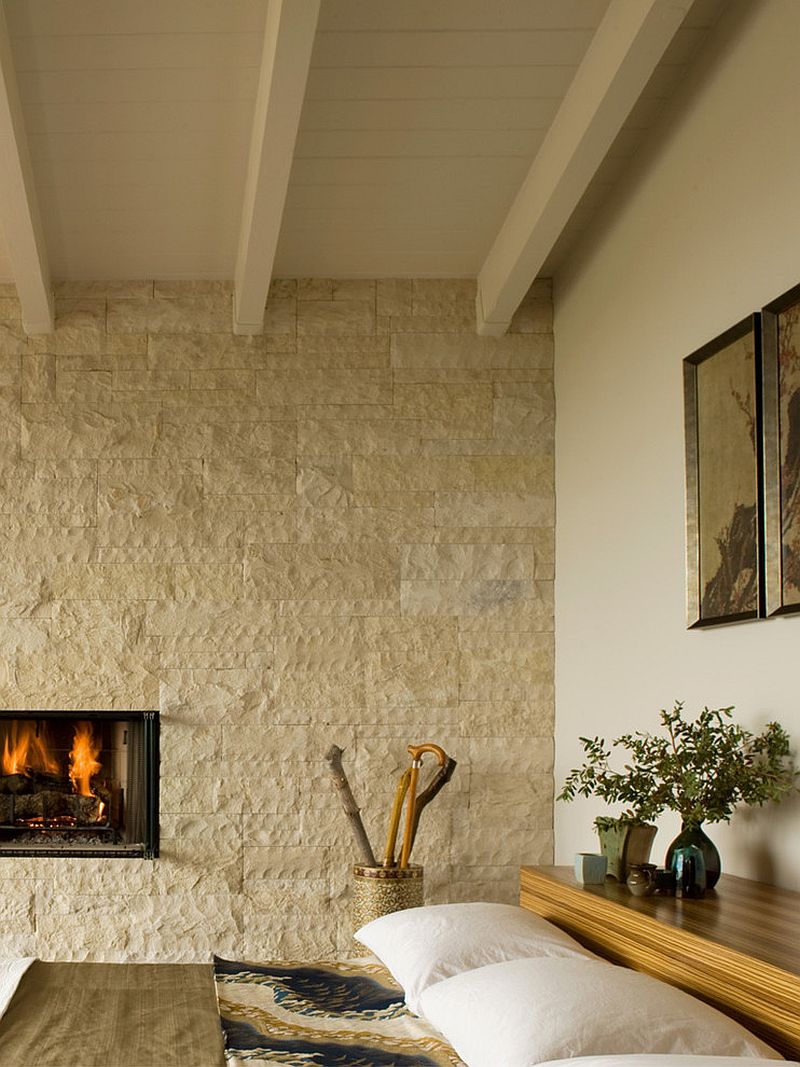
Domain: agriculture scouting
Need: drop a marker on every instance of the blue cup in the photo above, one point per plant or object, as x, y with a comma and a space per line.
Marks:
590, 868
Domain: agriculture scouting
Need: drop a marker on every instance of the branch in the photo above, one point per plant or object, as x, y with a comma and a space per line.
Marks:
333, 758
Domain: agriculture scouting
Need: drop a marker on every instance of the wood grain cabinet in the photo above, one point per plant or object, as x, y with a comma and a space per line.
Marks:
738, 948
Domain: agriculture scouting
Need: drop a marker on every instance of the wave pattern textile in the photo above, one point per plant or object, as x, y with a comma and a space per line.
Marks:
346, 1013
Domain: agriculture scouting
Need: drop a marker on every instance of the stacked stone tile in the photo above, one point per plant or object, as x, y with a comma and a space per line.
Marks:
339, 531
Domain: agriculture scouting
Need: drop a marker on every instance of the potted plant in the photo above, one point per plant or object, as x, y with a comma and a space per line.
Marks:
702, 769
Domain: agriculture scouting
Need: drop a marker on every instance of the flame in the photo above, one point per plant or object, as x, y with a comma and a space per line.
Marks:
25, 749
83, 759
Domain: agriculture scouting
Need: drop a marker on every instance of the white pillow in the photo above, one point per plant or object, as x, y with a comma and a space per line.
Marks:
524, 1012
420, 946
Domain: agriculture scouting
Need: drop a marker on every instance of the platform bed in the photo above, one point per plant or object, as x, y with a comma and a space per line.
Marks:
351, 1013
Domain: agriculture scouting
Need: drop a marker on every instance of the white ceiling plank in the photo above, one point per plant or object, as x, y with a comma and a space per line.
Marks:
625, 51
381, 15
438, 83
197, 85
499, 114
57, 18
19, 213
478, 48
417, 144
136, 51
288, 41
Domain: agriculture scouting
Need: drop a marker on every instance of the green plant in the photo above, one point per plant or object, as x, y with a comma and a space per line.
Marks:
701, 769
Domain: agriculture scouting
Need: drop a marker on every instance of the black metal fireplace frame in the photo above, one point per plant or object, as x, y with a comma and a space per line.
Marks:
148, 849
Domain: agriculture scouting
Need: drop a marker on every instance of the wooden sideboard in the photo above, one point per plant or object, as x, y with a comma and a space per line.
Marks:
738, 948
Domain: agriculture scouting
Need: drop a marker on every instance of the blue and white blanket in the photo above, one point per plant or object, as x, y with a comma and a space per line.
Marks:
330, 1014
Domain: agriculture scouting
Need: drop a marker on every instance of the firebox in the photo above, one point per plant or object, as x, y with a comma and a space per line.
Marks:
75, 783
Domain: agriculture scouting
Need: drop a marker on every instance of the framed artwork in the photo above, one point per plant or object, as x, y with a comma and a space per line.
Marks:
780, 323
723, 477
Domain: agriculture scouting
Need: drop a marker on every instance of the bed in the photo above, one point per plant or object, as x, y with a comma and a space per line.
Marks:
457, 966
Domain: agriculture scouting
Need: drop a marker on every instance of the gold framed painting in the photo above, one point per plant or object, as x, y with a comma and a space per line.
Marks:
723, 477
780, 322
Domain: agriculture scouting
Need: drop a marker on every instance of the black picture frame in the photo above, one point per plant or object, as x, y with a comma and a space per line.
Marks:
724, 482
780, 384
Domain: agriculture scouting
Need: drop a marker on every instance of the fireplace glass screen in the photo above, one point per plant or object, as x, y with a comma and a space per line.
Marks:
78, 783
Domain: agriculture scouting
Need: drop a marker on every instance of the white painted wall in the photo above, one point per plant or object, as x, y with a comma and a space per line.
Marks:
706, 230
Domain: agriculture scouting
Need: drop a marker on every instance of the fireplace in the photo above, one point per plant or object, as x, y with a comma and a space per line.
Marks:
78, 783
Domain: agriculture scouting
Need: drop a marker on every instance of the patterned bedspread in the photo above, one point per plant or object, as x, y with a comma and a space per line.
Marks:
331, 1014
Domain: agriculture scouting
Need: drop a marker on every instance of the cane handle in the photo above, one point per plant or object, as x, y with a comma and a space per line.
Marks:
416, 752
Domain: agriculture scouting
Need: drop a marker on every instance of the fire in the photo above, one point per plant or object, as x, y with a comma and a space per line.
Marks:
83, 759
25, 749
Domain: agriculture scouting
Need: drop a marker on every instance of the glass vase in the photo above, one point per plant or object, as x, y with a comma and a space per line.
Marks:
694, 835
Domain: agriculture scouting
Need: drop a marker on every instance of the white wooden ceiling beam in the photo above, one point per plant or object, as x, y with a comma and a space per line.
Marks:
19, 210
288, 41
624, 52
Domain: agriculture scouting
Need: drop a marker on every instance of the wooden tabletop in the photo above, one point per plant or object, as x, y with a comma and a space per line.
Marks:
750, 917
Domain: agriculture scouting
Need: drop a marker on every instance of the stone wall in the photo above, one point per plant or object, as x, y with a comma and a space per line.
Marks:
339, 531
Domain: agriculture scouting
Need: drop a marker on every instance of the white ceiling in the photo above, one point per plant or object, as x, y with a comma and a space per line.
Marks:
421, 119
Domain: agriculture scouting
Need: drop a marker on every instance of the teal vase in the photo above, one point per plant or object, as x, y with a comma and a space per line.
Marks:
694, 835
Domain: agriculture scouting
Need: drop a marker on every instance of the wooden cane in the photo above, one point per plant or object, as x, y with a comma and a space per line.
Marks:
432, 789
394, 818
416, 752
334, 759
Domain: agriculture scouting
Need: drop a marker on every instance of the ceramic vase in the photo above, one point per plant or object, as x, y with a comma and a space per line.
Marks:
694, 835
625, 844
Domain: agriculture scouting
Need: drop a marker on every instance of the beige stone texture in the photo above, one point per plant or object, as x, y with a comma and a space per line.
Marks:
464, 562
192, 287
458, 318
394, 296
315, 288
10, 308
183, 314
333, 352
316, 572
248, 476
13, 340
465, 350
361, 523
38, 378
460, 409
395, 473
277, 389
53, 431
24, 590
205, 351
336, 317
484, 671
323, 437
490, 605
104, 290
496, 508
324, 482
341, 530
280, 318
353, 289
67, 492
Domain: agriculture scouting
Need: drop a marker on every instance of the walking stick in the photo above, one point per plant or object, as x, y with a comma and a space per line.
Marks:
416, 752
394, 818
334, 759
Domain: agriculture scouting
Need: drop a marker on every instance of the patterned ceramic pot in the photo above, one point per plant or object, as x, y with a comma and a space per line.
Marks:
380, 890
